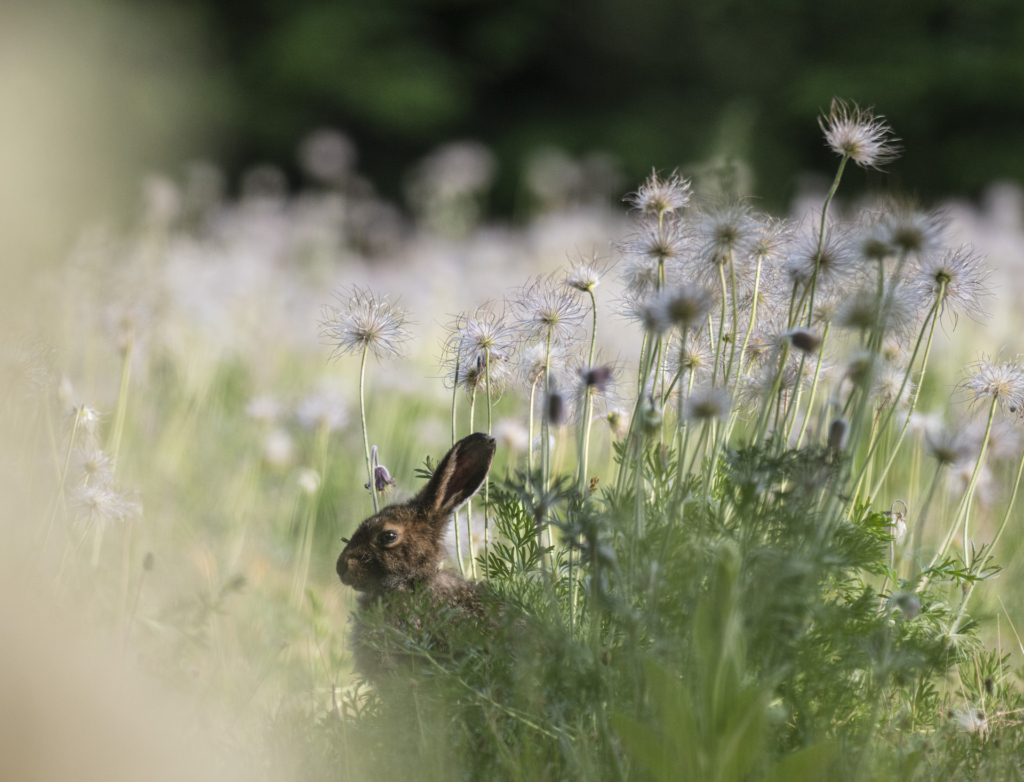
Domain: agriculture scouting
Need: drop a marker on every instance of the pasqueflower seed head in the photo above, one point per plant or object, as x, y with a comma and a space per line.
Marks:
365, 322
99, 502
727, 232
1003, 382
912, 231
659, 196
707, 403
959, 276
836, 260
804, 340
859, 135
544, 309
651, 249
889, 389
584, 275
684, 307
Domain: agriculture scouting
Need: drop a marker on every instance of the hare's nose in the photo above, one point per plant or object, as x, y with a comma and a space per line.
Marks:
342, 567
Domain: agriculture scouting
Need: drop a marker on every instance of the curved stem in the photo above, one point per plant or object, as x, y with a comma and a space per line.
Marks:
814, 386
366, 439
821, 238
913, 400
968, 494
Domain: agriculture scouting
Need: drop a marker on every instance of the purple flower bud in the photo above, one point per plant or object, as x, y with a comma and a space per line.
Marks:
837, 434
381, 478
598, 377
555, 409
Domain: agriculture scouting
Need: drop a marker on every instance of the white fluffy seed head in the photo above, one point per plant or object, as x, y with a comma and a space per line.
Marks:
365, 321
707, 403
959, 276
659, 196
1003, 382
859, 135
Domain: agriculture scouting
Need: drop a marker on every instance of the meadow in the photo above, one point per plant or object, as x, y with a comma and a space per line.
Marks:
753, 514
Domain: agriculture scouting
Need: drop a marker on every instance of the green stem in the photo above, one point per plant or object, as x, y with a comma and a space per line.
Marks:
487, 480
366, 438
998, 535
968, 494
469, 504
914, 398
114, 445
821, 238
455, 396
814, 385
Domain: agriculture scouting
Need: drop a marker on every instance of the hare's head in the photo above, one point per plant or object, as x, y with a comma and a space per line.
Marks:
403, 543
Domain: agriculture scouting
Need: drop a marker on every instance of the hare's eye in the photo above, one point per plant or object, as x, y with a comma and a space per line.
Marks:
387, 537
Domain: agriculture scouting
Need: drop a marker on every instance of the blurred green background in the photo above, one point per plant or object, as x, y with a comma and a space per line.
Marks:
654, 82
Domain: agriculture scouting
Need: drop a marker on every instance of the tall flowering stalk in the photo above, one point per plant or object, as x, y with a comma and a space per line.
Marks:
366, 324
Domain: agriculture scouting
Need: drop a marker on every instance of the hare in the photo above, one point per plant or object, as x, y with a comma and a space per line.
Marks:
395, 555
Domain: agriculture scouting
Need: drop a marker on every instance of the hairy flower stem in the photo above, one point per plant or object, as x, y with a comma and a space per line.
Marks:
933, 317
813, 286
305, 547
922, 520
743, 350
914, 398
469, 504
766, 407
114, 443
721, 329
589, 407
995, 540
487, 480
814, 386
682, 430
455, 397
366, 438
965, 501
530, 427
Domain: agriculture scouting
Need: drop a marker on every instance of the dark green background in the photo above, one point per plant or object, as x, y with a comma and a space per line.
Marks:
655, 82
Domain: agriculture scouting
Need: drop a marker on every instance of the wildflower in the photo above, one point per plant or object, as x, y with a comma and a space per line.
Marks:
694, 357
859, 135
1002, 382
684, 307
961, 277
309, 480
597, 378
365, 322
381, 478
554, 408
771, 240
888, 382
862, 311
278, 448
914, 232
971, 720
546, 311
872, 238
94, 464
263, 409
946, 446
651, 251
728, 232
322, 408
837, 431
584, 276
650, 417
836, 261
907, 603
482, 346
617, 422
536, 357
88, 420
659, 196
804, 340
101, 502
707, 403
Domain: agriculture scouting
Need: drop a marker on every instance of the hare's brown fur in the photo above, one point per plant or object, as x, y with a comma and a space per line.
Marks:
398, 552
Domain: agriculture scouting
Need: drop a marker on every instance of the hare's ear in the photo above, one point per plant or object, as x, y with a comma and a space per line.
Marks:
459, 476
